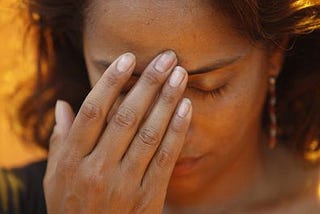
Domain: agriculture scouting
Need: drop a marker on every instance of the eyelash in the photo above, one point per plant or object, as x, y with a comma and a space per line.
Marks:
215, 93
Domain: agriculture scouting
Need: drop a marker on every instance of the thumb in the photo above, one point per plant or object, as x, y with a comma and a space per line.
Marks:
64, 117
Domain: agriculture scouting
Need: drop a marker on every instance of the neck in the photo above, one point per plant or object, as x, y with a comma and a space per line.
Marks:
230, 187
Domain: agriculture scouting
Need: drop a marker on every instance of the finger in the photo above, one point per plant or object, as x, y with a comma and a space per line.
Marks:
64, 117
160, 169
90, 119
149, 136
125, 121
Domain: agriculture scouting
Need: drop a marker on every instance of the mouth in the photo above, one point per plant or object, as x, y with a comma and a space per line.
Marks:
186, 165
182, 160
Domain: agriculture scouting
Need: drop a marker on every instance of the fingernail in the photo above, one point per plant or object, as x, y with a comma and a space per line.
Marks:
59, 117
125, 62
165, 61
184, 107
177, 76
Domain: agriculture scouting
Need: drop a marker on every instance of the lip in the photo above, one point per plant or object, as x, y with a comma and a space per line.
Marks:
186, 165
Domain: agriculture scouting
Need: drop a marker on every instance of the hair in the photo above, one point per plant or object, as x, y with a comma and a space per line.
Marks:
57, 26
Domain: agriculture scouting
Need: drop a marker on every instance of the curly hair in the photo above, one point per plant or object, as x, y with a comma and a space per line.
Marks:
61, 71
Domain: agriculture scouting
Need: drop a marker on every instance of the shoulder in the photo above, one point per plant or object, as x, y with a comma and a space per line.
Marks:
21, 189
304, 203
295, 183
294, 193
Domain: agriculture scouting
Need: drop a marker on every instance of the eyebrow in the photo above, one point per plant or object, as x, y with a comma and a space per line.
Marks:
217, 64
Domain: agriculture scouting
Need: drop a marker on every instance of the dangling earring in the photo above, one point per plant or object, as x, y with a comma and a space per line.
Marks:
272, 113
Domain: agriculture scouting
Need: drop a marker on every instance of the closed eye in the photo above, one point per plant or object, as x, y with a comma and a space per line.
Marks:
214, 93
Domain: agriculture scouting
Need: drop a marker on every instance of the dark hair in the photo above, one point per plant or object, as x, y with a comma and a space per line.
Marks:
61, 71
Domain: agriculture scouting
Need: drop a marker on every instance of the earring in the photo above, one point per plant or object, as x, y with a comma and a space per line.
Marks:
272, 113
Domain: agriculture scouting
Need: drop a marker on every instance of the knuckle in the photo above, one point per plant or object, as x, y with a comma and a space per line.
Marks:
115, 194
91, 110
168, 97
149, 136
125, 117
141, 205
119, 193
164, 158
95, 183
66, 168
128, 170
151, 78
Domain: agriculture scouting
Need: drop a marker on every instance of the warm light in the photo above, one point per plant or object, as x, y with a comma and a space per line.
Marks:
313, 153
314, 145
35, 16
16, 64
304, 3
319, 191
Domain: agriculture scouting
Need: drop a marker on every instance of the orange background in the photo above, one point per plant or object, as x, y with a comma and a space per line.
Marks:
16, 64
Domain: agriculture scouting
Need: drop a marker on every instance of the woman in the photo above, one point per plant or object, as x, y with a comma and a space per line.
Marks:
183, 108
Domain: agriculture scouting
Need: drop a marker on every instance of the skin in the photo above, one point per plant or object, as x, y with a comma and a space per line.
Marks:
225, 128
234, 116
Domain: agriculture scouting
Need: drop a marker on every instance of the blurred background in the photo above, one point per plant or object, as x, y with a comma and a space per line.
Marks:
16, 65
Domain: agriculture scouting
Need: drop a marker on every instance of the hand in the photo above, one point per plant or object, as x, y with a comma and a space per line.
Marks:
123, 164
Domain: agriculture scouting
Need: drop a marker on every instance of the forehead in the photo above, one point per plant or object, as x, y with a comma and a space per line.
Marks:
192, 28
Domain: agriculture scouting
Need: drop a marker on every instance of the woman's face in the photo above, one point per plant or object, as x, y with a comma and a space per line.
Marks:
227, 99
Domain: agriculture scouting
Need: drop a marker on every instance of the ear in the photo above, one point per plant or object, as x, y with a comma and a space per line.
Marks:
276, 55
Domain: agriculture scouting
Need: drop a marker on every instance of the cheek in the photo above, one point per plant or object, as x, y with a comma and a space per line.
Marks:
93, 77
229, 119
